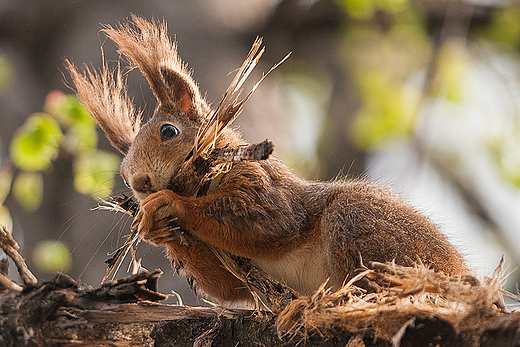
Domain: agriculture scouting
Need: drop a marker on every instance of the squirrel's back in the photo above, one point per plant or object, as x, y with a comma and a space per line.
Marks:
330, 229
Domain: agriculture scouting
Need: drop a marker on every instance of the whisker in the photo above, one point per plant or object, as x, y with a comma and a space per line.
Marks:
96, 252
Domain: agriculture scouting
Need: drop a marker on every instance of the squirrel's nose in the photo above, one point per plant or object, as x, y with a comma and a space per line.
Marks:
142, 184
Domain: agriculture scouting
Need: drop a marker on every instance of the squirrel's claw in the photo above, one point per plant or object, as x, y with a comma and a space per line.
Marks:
155, 213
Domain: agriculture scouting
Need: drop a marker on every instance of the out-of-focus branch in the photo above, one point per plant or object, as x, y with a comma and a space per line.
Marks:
11, 247
10, 285
458, 15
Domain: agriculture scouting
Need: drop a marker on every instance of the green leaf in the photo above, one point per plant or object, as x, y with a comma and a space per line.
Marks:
66, 108
382, 116
51, 256
81, 135
505, 26
6, 71
451, 70
5, 219
28, 190
36, 144
505, 151
81, 138
359, 9
365, 9
94, 173
6, 178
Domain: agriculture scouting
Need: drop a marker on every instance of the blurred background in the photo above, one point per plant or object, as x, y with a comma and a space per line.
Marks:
422, 96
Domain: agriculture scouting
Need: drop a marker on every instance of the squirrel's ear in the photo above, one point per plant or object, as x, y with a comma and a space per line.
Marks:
181, 92
147, 46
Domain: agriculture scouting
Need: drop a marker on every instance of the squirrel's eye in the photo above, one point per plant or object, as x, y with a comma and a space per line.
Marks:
126, 183
168, 132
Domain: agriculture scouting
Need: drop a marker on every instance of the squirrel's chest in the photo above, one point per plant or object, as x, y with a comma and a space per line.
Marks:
303, 269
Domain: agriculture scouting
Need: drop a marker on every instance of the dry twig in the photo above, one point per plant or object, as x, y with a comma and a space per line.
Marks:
11, 247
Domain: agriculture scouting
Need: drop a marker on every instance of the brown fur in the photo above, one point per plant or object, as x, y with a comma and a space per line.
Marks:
299, 232
104, 94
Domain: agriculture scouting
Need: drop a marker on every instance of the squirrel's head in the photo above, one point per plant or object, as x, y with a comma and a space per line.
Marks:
159, 148
154, 150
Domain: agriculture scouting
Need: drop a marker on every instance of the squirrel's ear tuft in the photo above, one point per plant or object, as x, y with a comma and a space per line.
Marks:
147, 46
105, 97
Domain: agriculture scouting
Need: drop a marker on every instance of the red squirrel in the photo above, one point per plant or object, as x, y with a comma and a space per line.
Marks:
299, 232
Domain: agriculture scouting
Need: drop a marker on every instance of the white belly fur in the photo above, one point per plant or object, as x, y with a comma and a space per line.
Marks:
303, 269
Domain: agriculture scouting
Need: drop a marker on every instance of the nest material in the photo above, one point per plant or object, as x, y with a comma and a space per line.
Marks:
401, 295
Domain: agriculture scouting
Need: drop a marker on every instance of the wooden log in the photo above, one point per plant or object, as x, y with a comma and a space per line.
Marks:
411, 307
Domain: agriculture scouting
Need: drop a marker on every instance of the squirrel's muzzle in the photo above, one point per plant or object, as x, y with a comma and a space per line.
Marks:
142, 184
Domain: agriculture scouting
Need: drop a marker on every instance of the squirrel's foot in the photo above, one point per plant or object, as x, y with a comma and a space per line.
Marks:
156, 216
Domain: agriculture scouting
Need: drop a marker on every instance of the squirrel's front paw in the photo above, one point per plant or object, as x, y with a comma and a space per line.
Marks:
155, 215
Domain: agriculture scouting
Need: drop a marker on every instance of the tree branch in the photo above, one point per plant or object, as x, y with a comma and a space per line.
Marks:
11, 247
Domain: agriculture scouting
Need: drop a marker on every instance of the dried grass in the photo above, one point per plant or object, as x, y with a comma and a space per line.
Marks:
401, 293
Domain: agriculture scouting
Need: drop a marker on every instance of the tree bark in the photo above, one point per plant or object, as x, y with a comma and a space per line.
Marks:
411, 307
62, 312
